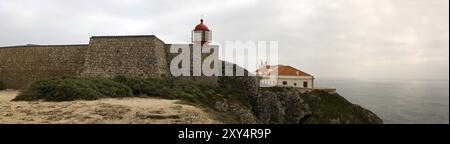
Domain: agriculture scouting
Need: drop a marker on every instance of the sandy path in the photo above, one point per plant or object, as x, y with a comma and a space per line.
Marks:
103, 111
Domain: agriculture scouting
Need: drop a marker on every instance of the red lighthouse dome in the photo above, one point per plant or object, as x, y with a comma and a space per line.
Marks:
201, 27
201, 34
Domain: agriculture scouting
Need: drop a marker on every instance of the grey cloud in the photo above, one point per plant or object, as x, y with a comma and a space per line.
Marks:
370, 39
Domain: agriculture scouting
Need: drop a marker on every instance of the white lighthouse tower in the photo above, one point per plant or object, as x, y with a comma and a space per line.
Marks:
201, 34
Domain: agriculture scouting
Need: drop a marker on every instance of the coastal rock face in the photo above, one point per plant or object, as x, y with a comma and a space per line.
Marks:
234, 99
267, 106
243, 114
315, 107
283, 105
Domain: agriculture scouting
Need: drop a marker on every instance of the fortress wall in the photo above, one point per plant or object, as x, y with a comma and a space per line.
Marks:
21, 65
203, 79
105, 56
142, 56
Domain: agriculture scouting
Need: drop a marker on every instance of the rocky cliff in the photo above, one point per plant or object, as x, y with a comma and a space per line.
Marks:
230, 100
282, 105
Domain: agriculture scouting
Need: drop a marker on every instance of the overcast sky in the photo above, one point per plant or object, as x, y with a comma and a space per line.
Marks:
359, 39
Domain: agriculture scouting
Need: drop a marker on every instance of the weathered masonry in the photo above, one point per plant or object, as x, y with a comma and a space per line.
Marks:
105, 56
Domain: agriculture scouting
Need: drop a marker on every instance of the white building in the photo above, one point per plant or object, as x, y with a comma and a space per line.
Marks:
284, 75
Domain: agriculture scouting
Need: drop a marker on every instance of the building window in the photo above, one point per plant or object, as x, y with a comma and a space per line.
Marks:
305, 84
295, 84
284, 82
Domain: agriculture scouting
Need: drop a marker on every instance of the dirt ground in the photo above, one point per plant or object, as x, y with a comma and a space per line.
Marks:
103, 111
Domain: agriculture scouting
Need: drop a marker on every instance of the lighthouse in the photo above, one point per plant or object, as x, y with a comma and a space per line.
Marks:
201, 34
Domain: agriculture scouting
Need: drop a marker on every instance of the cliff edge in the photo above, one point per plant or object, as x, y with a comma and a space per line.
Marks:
284, 105
235, 99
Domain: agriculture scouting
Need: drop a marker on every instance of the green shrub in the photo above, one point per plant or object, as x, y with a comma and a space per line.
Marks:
60, 89
110, 88
325, 106
70, 88
169, 88
183, 89
135, 84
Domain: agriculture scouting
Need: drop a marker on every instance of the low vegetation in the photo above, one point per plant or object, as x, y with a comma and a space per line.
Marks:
284, 104
69, 88
327, 107
180, 88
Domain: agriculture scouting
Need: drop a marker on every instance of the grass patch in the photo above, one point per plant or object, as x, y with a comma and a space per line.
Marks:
69, 88
109, 88
183, 89
325, 106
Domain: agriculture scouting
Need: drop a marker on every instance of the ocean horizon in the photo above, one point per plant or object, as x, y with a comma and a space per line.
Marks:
397, 102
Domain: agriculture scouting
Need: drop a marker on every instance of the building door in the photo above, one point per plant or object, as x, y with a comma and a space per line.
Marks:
305, 84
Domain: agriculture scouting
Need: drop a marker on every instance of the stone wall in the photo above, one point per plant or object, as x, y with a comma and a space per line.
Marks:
212, 80
105, 56
142, 56
21, 65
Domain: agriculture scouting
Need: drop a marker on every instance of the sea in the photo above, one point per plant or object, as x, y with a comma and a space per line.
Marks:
397, 102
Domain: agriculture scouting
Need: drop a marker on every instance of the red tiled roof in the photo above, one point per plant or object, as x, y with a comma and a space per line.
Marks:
283, 70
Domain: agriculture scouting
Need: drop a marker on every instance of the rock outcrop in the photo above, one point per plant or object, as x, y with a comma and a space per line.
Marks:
283, 105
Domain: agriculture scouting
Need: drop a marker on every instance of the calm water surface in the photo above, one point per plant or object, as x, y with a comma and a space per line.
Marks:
405, 102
